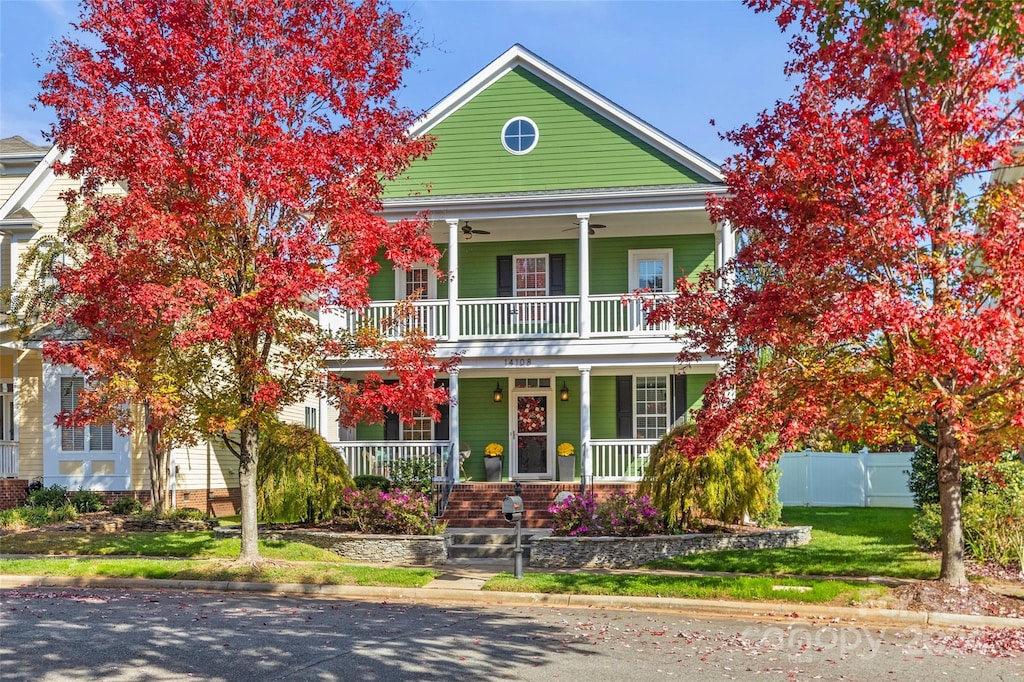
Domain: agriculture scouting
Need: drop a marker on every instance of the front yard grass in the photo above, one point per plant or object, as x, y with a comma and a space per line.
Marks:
650, 585
849, 541
313, 573
196, 545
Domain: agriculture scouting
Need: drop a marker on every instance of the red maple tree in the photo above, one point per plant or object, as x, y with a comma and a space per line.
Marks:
879, 290
232, 154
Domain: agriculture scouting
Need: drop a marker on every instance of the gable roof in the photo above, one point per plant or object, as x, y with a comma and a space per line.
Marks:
518, 56
33, 187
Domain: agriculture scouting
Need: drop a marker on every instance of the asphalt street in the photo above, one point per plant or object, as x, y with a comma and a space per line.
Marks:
51, 634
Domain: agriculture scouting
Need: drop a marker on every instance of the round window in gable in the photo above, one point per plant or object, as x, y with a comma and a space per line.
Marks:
519, 136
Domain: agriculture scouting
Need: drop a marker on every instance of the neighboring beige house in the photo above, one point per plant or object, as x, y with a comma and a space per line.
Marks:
32, 391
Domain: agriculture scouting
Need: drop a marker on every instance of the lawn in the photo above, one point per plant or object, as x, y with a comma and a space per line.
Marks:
315, 573
195, 545
845, 541
650, 585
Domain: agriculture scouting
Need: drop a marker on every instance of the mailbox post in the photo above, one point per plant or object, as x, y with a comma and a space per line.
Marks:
512, 508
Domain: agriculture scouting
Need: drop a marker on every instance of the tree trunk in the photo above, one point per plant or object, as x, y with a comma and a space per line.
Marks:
247, 456
953, 571
159, 471
159, 451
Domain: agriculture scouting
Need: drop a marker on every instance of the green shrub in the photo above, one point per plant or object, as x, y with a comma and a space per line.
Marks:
66, 512
725, 484
395, 513
86, 501
300, 477
186, 514
13, 518
927, 526
51, 498
126, 505
770, 515
415, 474
372, 482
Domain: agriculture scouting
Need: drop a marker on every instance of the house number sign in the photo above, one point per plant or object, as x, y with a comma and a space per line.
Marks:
518, 362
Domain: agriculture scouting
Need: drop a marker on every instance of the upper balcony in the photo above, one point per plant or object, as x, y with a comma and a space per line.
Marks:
539, 277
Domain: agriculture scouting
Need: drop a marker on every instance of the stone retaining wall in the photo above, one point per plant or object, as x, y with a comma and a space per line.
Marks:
607, 552
378, 549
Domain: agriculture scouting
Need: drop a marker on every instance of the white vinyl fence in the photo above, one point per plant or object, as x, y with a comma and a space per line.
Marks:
845, 479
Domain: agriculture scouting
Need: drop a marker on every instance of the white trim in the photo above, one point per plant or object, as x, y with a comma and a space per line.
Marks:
664, 255
550, 433
517, 55
668, 404
536, 135
37, 182
547, 272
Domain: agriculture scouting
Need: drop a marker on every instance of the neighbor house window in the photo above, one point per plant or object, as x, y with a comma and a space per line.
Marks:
652, 406
95, 437
519, 135
312, 419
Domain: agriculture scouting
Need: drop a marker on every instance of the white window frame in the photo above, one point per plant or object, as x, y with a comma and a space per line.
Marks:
536, 135
8, 405
404, 430
547, 273
402, 278
636, 404
637, 255
93, 435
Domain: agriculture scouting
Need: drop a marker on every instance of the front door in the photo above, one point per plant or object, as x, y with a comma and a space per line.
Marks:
533, 454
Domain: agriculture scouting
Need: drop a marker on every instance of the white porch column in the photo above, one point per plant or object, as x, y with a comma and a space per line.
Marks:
584, 268
453, 421
453, 279
587, 464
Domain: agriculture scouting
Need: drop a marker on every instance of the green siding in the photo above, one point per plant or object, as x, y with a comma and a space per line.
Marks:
609, 271
602, 407
482, 421
369, 432
577, 148
609, 258
695, 384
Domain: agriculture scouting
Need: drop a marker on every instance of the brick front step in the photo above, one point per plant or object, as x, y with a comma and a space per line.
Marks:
478, 505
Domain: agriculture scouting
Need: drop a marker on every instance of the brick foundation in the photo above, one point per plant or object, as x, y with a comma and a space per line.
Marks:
12, 492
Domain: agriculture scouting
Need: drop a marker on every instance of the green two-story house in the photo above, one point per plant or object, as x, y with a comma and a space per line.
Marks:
551, 206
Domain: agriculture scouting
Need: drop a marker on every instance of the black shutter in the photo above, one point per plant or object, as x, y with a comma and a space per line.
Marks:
390, 420
624, 407
678, 396
442, 430
504, 276
557, 263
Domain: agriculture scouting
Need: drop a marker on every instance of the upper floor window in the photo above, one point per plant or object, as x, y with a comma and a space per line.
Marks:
650, 269
520, 135
95, 437
531, 275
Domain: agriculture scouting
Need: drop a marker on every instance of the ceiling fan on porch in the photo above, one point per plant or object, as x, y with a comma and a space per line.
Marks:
469, 231
590, 228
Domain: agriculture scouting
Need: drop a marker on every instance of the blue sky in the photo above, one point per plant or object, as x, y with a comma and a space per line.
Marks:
676, 64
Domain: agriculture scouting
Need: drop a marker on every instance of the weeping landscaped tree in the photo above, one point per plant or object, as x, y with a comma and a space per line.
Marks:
880, 287
231, 154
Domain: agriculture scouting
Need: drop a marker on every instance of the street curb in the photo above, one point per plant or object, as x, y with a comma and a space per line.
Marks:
696, 607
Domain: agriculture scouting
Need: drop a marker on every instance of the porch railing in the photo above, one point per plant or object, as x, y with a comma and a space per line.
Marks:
378, 457
620, 460
614, 314
548, 317
9, 459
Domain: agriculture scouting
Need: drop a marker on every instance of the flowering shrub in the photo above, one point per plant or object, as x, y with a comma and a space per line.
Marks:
627, 515
575, 516
395, 513
494, 450
622, 514
565, 450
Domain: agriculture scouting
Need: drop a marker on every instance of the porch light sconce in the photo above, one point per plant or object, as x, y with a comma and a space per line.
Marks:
498, 395
563, 395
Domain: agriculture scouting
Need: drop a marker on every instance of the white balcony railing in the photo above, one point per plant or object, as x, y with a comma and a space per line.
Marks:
615, 315
620, 460
378, 457
8, 459
547, 317
507, 318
